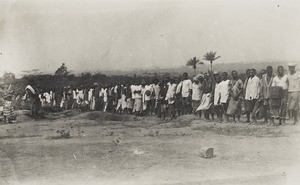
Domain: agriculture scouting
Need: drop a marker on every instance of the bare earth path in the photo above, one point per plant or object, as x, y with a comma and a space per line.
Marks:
113, 149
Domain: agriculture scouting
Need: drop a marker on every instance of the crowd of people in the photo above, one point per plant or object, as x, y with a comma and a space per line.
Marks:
272, 94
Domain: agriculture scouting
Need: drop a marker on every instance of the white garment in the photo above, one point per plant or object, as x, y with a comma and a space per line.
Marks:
144, 90
119, 104
129, 103
156, 91
123, 100
116, 89
138, 92
281, 81
103, 93
197, 92
178, 88
93, 103
143, 98
294, 82
51, 95
217, 94
224, 90
62, 102
205, 103
31, 89
48, 97
74, 94
40, 97
133, 88
171, 93
253, 88
80, 94
24, 97
186, 88
90, 95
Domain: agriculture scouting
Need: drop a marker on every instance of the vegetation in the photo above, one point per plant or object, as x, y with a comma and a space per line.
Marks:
58, 82
193, 62
62, 70
211, 56
8, 78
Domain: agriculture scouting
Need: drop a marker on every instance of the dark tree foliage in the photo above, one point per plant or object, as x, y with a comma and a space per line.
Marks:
62, 70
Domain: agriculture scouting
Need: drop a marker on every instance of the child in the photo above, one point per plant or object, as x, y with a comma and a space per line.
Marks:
8, 111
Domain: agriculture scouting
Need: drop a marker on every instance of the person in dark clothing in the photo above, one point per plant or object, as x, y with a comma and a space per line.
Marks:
32, 93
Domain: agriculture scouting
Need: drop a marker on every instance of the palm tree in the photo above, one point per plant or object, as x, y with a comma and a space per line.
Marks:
211, 56
193, 62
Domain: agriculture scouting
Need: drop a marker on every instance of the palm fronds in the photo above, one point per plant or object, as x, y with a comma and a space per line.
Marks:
193, 62
211, 56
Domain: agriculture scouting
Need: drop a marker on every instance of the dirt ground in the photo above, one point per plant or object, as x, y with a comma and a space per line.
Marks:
121, 149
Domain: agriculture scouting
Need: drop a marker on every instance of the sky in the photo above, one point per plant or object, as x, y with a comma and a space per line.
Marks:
131, 34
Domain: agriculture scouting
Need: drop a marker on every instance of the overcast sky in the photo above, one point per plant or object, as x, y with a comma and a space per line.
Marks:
128, 34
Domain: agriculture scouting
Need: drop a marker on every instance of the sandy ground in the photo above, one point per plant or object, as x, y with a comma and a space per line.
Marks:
113, 149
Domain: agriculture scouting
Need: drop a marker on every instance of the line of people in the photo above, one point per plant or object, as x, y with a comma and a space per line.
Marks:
269, 96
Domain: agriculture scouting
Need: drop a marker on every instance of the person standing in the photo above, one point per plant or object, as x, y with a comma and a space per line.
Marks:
208, 84
163, 102
110, 98
118, 96
217, 106
196, 94
103, 97
186, 92
293, 91
138, 99
74, 95
147, 91
96, 97
32, 93
80, 96
91, 98
8, 109
132, 90
244, 102
235, 96
123, 98
129, 101
279, 109
152, 97
224, 93
156, 90
178, 98
171, 98
267, 80
252, 93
